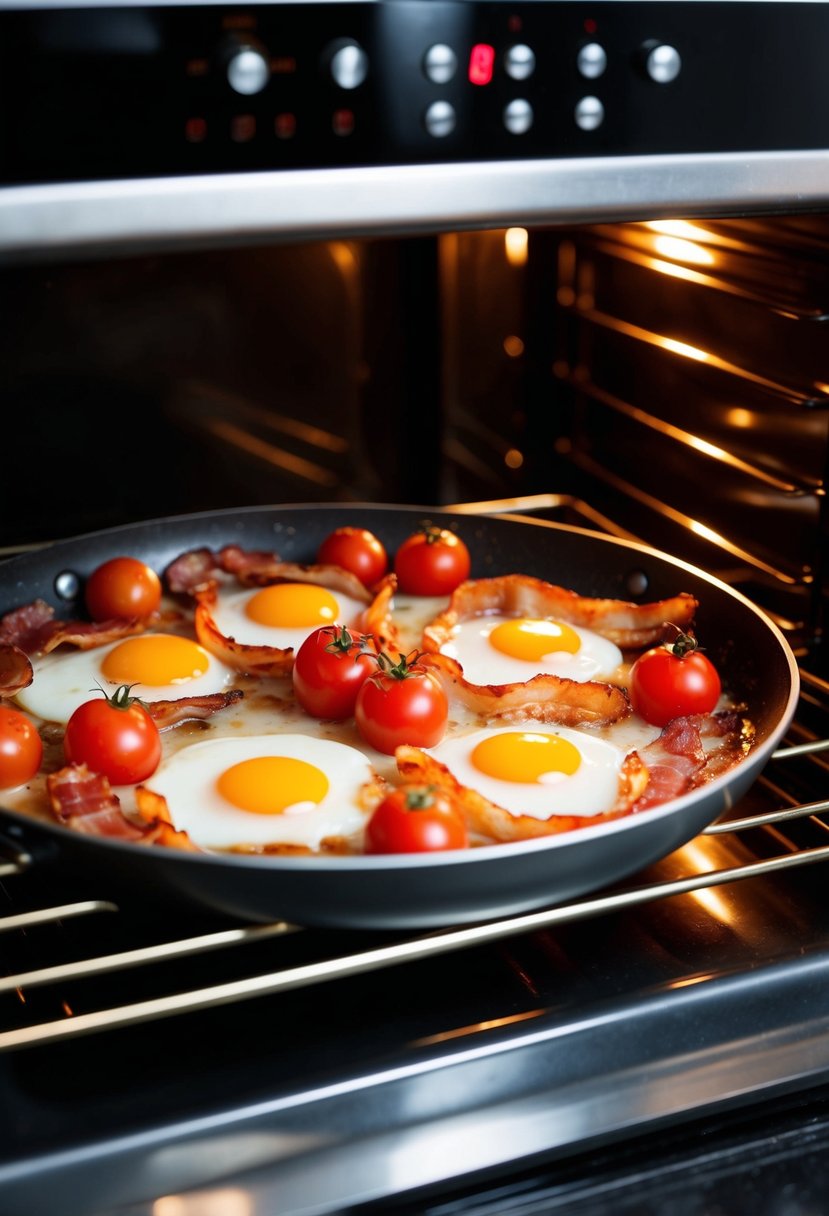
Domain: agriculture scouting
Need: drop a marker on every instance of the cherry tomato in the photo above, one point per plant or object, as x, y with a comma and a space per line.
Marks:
20, 748
433, 561
415, 819
357, 550
402, 703
330, 667
122, 587
672, 681
115, 736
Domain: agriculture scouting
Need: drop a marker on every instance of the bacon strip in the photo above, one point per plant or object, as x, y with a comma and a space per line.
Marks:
15, 669
678, 761
629, 625
34, 629
167, 714
485, 818
544, 698
84, 801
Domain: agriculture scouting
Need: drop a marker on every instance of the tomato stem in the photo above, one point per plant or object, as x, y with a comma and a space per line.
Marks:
401, 670
682, 643
121, 698
419, 797
343, 643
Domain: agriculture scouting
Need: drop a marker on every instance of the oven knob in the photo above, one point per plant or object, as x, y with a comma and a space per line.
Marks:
662, 63
348, 64
440, 63
591, 60
248, 70
519, 62
440, 119
589, 113
518, 116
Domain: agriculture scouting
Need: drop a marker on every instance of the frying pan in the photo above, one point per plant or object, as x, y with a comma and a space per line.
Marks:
439, 889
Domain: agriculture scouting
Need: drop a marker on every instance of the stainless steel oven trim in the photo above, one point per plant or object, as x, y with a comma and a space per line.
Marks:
108, 215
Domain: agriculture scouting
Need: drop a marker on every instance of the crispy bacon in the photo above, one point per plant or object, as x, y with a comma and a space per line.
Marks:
35, 630
377, 618
167, 714
84, 801
15, 669
487, 819
544, 698
629, 625
197, 569
678, 761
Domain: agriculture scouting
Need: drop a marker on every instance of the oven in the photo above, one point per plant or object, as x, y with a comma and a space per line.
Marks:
548, 260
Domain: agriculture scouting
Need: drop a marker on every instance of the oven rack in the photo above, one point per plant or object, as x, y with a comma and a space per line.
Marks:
346, 964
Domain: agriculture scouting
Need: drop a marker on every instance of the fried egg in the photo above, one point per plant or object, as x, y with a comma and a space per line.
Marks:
508, 650
158, 666
540, 770
283, 614
265, 789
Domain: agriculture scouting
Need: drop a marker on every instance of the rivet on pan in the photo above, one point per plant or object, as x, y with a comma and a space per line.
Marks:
67, 584
637, 582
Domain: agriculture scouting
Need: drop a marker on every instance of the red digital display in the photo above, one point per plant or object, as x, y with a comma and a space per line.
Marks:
481, 59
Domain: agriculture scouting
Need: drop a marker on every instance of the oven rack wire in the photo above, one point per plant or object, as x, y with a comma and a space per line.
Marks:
346, 964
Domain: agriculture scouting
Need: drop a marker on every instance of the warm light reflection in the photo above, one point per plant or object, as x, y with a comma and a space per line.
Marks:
343, 255
516, 241
514, 346
708, 898
222, 1202
683, 251
679, 228
462, 1031
739, 417
682, 348
514, 459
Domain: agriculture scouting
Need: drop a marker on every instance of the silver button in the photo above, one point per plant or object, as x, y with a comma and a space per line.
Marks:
663, 64
440, 63
440, 119
519, 62
518, 116
591, 60
248, 71
589, 113
349, 66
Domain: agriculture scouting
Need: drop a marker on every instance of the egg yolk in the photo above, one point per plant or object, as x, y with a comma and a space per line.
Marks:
289, 605
155, 659
525, 757
532, 640
267, 785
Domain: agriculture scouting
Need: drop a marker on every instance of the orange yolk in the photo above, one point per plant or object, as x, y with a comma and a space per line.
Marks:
269, 784
292, 605
525, 757
532, 640
155, 659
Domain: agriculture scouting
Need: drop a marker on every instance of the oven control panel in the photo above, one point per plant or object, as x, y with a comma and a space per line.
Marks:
156, 90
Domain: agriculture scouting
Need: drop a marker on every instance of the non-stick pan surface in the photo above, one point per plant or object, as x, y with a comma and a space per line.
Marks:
422, 890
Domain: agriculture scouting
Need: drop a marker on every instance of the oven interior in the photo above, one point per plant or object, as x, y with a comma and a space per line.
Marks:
665, 381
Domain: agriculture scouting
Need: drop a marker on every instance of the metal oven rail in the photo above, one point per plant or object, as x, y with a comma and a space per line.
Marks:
340, 965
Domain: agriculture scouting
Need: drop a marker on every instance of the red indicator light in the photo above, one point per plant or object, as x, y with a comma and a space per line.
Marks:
285, 125
590, 26
195, 130
481, 61
342, 122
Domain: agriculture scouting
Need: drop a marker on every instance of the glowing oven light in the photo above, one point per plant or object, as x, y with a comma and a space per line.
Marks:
481, 62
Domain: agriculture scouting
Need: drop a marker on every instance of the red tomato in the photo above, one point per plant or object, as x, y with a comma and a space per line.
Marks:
433, 561
415, 819
401, 703
329, 670
20, 748
115, 736
672, 681
357, 550
122, 587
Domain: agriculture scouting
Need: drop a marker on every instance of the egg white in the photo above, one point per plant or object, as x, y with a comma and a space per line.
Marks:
591, 790
63, 681
597, 658
232, 621
188, 782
